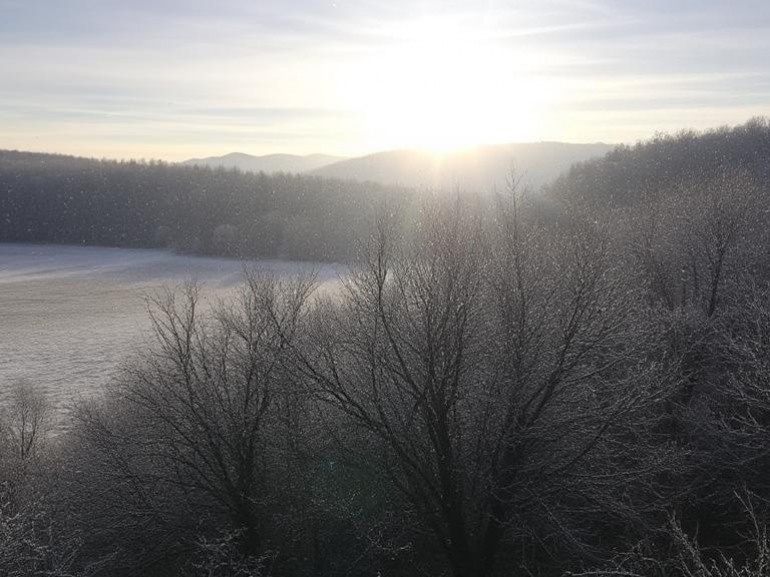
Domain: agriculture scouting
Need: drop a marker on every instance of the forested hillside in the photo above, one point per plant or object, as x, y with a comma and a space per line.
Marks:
651, 170
60, 199
691, 208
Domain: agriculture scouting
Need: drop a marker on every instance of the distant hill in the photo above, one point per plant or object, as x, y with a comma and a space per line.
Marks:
478, 169
269, 164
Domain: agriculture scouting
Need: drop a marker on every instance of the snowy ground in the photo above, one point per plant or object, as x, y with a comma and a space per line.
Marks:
70, 315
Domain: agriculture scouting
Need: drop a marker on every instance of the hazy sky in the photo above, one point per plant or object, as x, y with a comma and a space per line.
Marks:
174, 79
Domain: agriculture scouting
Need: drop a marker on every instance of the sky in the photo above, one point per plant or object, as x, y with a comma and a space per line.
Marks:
173, 79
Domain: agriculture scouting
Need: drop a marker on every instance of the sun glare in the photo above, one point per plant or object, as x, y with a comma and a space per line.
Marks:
441, 86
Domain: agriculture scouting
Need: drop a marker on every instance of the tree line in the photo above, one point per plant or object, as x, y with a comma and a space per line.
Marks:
58, 199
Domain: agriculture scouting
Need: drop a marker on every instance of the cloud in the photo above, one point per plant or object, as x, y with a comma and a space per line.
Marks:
166, 75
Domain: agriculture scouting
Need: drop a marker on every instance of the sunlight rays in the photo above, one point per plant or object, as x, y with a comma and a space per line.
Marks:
444, 86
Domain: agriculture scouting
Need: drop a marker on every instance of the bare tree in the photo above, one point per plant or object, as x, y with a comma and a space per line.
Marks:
26, 421
677, 554
25, 427
33, 540
193, 423
695, 243
494, 375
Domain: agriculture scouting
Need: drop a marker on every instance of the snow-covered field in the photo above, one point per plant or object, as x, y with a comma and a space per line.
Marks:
70, 315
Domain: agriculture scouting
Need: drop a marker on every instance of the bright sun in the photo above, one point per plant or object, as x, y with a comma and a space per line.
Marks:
442, 86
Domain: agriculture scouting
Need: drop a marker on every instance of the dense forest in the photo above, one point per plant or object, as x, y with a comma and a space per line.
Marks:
572, 383
66, 200
642, 173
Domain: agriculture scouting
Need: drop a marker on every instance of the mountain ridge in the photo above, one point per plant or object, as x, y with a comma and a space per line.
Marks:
268, 163
480, 168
